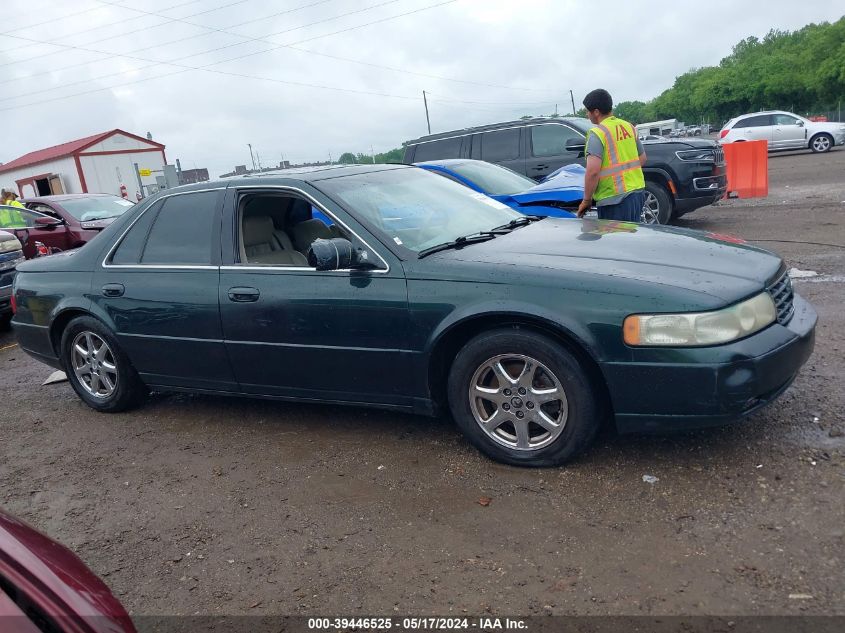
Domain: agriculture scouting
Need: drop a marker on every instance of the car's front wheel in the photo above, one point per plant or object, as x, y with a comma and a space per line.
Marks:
821, 143
657, 208
522, 398
97, 368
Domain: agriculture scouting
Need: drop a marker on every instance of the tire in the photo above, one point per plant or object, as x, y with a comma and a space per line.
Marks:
5, 322
821, 143
658, 204
573, 407
117, 386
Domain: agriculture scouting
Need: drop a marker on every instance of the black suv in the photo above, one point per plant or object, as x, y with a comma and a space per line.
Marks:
681, 175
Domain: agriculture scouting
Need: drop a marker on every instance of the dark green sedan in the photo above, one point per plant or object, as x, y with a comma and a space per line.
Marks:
393, 287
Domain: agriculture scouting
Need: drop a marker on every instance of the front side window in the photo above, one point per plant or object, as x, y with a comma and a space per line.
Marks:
182, 231
550, 140
414, 208
500, 145
785, 119
438, 150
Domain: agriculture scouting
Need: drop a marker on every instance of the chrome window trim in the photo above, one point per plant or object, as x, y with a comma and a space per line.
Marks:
105, 263
324, 210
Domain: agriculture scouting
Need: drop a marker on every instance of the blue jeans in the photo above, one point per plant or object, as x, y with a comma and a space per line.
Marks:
629, 210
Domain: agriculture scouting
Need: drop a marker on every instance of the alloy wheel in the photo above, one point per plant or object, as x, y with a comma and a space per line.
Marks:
651, 209
94, 364
821, 143
518, 402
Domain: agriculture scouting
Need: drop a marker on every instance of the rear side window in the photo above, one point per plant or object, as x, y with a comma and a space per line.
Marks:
550, 140
436, 150
129, 251
183, 230
755, 121
500, 145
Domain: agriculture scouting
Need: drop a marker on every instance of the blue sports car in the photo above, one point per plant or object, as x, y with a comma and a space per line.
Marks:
557, 196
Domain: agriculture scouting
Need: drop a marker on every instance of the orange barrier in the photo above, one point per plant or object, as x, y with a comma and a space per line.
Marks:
747, 165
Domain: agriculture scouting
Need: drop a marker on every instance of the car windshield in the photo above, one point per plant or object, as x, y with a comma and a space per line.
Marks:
415, 208
95, 207
493, 179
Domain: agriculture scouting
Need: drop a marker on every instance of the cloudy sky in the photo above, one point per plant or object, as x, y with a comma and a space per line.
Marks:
306, 79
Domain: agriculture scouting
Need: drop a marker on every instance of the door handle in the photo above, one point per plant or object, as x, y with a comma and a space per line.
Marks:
539, 167
243, 295
113, 290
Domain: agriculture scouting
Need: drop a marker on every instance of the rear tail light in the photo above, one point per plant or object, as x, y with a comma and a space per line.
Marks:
723, 133
41, 249
14, 304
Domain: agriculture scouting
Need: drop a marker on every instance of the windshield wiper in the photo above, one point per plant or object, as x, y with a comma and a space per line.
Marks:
518, 222
458, 242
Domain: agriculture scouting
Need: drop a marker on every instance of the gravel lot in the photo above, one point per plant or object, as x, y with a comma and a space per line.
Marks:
227, 506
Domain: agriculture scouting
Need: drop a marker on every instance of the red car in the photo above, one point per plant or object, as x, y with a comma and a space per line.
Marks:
45, 587
79, 218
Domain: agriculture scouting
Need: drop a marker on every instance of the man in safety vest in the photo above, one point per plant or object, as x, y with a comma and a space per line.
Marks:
615, 157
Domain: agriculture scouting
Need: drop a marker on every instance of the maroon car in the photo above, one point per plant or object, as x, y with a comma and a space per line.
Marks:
45, 587
79, 217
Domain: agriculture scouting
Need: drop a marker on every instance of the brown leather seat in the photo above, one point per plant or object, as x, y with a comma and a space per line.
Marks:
263, 244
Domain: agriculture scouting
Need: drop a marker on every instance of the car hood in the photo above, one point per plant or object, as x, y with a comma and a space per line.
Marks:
720, 266
566, 185
56, 580
826, 126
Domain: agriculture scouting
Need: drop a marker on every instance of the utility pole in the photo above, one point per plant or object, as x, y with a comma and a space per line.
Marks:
571, 96
372, 154
258, 158
251, 156
425, 101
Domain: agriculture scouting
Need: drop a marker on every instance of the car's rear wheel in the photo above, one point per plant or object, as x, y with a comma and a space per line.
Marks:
522, 398
657, 208
821, 143
5, 322
97, 368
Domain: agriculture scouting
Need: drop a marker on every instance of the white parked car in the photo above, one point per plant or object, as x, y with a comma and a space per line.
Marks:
783, 130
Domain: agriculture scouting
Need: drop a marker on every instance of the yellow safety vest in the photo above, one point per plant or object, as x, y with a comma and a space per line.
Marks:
620, 164
10, 218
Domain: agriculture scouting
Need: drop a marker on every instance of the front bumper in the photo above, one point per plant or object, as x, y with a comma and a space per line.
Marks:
672, 389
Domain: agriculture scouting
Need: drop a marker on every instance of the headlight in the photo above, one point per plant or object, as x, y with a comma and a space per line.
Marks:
696, 329
696, 154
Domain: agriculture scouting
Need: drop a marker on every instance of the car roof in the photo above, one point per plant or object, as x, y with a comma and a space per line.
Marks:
496, 126
446, 162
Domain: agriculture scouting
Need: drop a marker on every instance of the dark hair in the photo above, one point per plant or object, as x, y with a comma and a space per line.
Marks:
600, 100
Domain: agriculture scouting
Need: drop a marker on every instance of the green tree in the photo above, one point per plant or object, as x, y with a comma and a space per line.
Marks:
347, 158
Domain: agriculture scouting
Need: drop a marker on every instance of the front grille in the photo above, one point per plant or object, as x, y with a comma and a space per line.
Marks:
782, 295
719, 155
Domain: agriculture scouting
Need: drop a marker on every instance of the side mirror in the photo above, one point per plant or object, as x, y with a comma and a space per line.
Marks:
47, 222
799, 123
337, 254
575, 145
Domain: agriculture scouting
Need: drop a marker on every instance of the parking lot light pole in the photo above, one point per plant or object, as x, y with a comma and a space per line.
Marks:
571, 96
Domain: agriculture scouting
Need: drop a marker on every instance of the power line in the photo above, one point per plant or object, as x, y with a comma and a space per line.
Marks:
211, 50
103, 26
107, 55
207, 68
178, 59
248, 38
41, 23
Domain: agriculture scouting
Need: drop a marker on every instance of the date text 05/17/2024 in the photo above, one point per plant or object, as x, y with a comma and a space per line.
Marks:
416, 624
